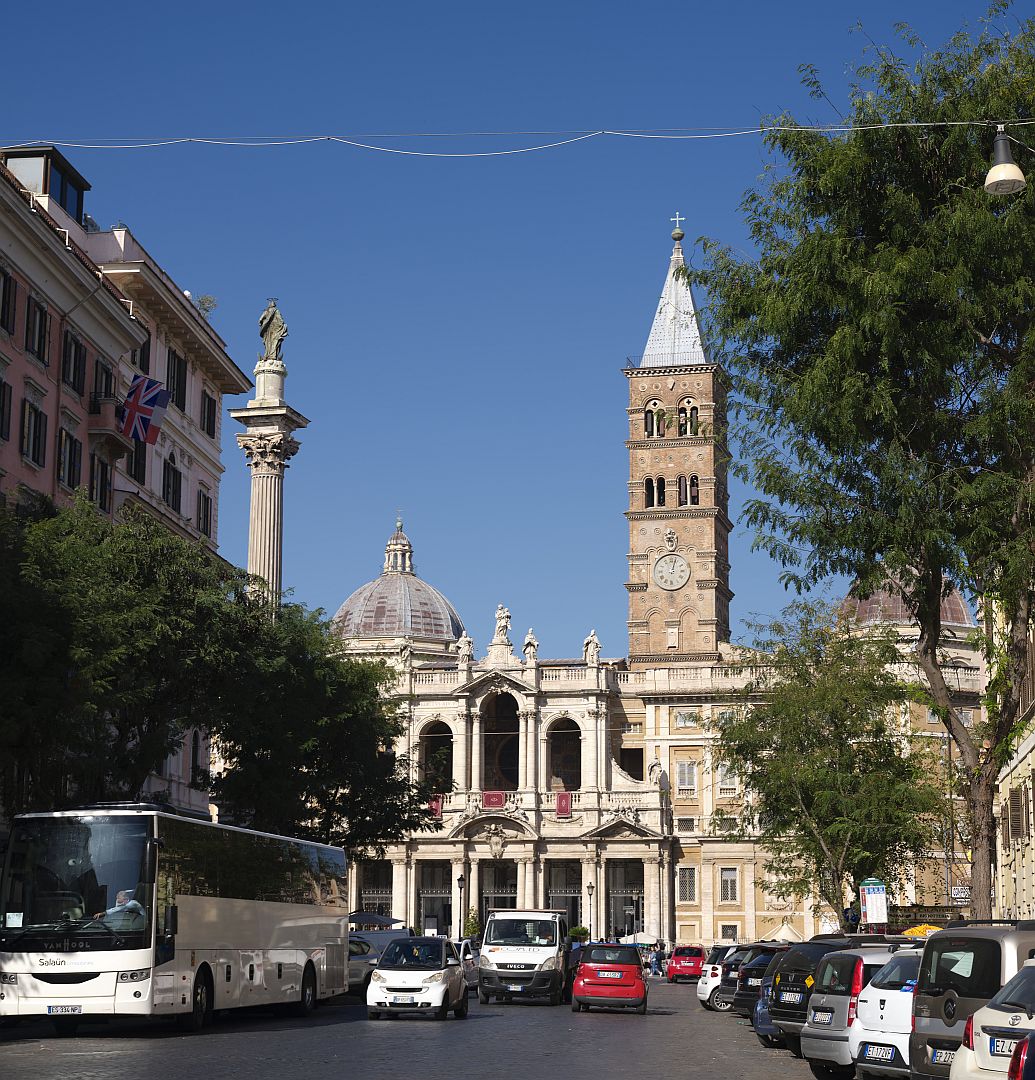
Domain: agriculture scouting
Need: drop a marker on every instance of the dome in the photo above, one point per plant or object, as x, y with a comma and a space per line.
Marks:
887, 606
398, 603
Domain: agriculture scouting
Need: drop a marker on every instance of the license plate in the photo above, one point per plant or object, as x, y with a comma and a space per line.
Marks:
515, 986
754, 982
64, 1010
397, 1000
609, 974
791, 997
1001, 1047
942, 1057
879, 1053
821, 1017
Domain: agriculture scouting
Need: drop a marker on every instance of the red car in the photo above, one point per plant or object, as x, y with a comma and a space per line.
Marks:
610, 976
685, 962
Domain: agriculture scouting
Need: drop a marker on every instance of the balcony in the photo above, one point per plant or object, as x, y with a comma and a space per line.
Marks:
103, 427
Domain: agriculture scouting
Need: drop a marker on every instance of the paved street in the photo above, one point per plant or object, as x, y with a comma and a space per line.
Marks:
512, 1042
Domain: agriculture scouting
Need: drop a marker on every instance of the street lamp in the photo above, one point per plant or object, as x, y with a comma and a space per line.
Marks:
1005, 176
589, 923
460, 916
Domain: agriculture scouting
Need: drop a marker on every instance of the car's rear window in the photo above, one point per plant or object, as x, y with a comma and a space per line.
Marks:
617, 955
898, 972
834, 974
688, 951
969, 966
804, 957
1018, 993
717, 953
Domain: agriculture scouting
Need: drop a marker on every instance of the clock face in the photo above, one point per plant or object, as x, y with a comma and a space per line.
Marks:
671, 571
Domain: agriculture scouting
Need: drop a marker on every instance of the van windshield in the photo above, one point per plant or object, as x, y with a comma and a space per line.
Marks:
521, 932
898, 973
968, 966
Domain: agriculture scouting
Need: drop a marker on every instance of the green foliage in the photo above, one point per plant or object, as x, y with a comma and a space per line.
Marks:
835, 792
472, 925
579, 933
118, 640
882, 358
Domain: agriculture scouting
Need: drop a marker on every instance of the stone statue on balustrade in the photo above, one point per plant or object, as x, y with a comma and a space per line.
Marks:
502, 635
465, 648
530, 647
591, 649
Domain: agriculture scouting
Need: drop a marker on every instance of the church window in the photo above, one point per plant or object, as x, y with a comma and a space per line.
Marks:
682, 421
693, 420
648, 423
659, 423
695, 491
682, 491
661, 491
648, 492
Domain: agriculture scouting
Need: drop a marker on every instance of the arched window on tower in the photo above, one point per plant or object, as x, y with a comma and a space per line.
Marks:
682, 420
648, 423
693, 420
648, 493
661, 491
659, 422
695, 491
682, 491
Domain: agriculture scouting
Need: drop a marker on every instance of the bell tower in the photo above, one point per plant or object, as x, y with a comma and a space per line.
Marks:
678, 580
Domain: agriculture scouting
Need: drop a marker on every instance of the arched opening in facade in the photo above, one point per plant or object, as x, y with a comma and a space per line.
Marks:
683, 496
564, 756
624, 905
375, 886
648, 492
500, 743
695, 491
435, 896
564, 889
435, 755
498, 884
661, 491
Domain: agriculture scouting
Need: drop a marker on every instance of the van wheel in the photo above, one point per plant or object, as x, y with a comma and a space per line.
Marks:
483, 997
556, 995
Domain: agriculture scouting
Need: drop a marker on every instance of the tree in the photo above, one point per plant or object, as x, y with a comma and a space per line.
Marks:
309, 746
836, 793
472, 925
882, 361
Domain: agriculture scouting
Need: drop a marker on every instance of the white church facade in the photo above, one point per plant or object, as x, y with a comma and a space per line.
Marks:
586, 783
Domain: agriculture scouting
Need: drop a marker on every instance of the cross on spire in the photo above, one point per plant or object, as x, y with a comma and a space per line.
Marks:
677, 219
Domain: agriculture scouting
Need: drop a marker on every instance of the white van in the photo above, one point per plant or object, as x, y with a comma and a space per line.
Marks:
525, 954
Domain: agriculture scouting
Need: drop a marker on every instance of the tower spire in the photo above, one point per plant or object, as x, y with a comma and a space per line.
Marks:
675, 336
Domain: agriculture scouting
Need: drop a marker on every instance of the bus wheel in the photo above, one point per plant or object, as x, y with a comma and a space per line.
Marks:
66, 1026
306, 1004
201, 1004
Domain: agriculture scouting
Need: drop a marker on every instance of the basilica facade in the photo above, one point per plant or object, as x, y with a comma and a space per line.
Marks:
586, 783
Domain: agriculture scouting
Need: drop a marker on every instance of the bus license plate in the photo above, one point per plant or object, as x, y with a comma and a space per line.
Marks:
64, 1010
942, 1057
879, 1053
791, 997
1001, 1047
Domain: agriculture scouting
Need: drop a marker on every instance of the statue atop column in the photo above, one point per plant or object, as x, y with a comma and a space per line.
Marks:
272, 330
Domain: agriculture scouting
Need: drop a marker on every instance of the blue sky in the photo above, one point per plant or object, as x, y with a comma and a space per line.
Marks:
457, 327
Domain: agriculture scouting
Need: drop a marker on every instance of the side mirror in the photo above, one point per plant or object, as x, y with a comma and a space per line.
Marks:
171, 921
452, 962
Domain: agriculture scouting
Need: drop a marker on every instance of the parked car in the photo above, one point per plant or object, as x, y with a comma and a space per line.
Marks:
685, 962
711, 976
769, 1035
879, 1038
962, 969
610, 976
723, 1000
991, 1035
362, 961
418, 974
833, 1008
795, 977
378, 940
1022, 1062
749, 977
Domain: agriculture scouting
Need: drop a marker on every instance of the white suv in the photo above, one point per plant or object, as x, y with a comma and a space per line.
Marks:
879, 1038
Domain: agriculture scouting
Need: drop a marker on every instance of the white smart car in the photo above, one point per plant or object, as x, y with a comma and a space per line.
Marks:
993, 1031
879, 1038
418, 974
711, 976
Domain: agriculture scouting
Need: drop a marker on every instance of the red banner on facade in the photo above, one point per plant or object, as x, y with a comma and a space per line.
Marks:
563, 804
435, 806
493, 800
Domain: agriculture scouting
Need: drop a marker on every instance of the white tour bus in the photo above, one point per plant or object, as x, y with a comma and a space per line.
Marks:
129, 910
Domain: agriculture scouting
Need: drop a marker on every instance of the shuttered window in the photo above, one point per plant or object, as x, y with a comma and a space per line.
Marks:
687, 885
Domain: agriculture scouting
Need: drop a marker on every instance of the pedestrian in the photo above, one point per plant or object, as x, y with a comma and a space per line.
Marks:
655, 959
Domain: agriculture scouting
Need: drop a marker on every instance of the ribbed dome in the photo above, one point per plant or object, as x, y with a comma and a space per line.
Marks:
887, 606
398, 603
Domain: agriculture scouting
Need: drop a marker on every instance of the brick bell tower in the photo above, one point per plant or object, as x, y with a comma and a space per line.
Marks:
678, 581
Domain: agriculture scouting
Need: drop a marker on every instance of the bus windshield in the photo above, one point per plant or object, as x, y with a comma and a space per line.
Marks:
73, 883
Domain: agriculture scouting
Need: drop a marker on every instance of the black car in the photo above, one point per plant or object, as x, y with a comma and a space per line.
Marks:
749, 978
731, 970
795, 977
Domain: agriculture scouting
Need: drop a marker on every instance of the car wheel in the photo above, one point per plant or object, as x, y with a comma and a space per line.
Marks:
373, 1014
717, 1003
672, 979
575, 1006
642, 1007
442, 1012
705, 1003
770, 1042
793, 1043
823, 1071
460, 1012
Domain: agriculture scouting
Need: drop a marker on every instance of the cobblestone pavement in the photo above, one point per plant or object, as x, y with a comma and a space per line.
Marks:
677, 1039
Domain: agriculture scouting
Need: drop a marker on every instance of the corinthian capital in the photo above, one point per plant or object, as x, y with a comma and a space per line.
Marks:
268, 452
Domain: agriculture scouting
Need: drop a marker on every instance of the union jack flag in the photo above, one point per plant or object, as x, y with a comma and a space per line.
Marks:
144, 410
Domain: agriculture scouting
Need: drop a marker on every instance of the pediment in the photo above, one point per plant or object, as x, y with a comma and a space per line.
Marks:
487, 682
621, 827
